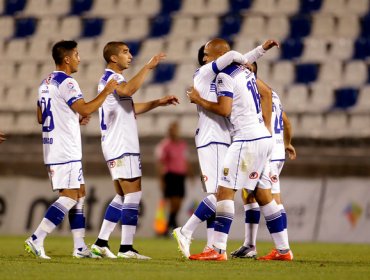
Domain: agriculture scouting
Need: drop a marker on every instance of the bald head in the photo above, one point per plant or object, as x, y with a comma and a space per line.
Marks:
215, 48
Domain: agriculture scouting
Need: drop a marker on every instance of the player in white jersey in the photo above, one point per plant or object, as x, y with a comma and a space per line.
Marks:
120, 145
61, 109
212, 135
281, 135
246, 160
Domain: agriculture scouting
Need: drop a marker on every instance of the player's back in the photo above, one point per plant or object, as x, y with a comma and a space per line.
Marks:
246, 119
61, 134
212, 128
277, 128
117, 121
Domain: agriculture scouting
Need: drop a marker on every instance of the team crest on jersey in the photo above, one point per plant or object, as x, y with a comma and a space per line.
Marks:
204, 178
112, 163
70, 85
226, 171
48, 79
253, 175
274, 179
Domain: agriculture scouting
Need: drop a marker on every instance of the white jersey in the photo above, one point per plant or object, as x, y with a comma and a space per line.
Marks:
61, 136
213, 128
239, 83
117, 122
277, 127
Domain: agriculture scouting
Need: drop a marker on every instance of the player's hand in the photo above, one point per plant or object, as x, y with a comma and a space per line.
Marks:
291, 151
85, 120
154, 61
192, 94
270, 44
111, 86
2, 137
169, 100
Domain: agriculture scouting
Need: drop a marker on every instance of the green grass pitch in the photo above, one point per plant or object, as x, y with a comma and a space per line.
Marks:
312, 261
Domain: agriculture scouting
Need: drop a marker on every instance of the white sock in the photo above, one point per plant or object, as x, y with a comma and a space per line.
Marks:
225, 210
251, 229
107, 226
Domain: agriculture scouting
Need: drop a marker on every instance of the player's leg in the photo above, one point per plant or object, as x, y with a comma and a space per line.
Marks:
68, 195
111, 217
175, 184
252, 218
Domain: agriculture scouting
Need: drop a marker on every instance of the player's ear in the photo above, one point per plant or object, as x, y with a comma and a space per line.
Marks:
113, 58
67, 59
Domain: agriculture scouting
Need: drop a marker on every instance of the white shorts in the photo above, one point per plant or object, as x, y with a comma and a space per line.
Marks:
275, 170
247, 164
66, 176
211, 160
126, 167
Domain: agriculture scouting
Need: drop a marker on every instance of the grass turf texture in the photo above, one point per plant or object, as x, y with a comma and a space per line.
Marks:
312, 261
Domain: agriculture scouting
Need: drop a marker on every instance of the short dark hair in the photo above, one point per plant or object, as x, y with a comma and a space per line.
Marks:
61, 49
112, 48
201, 55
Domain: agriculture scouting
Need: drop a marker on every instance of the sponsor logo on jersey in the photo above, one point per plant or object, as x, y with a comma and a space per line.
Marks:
226, 171
253, 175
223, 178
112, 163
119, 162
274, 178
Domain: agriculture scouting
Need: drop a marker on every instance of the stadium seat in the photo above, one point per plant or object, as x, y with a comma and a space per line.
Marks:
330, 72
264, 70
309, 6
92, 27
306, 73
312, 126
6, 27
230, 25
164, 72
359, 7
322, 26
7, 71
138, 28
252, 27
88, 49
193, 7
114, 29
363, 100
207, 27
348, 27
217, 7
283, 73
282, 8
27, 74
160, 26
296, 99
128, 8
13, 101
335, 125
334, 7
365, 26
361, 48
315, 50
184, 73
243, 46
264, 7
322, 98
145, 125
47, 28
12, 7
170, 6
15, 50
359, 125
25, 27
345, 97
291, 48
177, 50
182, 26
188, 125
7, 122
134, 47
59, 8
80, 6
149, 48
341, 49
32, 8
354, 73
70, 27
103, 8
277, 27
300, 26
237, 6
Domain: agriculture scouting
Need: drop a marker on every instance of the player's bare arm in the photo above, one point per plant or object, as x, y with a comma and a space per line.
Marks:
129, 88
289, 148
85, 120
266, 102
39, 115
2, 137
222, 107
270, 43
85, 109
141, 108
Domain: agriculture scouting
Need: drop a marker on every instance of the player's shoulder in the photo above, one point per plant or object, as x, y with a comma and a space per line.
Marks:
233, 69
60, 77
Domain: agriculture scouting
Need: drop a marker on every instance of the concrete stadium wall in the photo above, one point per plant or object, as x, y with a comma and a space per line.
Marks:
329, 210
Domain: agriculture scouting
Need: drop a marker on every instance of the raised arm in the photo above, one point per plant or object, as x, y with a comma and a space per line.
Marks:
141, 108
288, 137
259, 51
85, 109
266, 102
129, 88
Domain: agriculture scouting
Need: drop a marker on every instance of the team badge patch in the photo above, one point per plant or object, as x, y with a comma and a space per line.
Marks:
112, 164
204, 178
226, 171
253, 175
274, 179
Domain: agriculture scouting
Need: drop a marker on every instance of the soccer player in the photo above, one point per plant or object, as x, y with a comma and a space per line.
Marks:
212, 135
246, 160
282, 136
2, 137
59, 108
120, 145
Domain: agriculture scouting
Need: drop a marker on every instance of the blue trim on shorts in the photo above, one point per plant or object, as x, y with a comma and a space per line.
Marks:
252, 139
217, 143
278, 160
125, 154
60, 163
